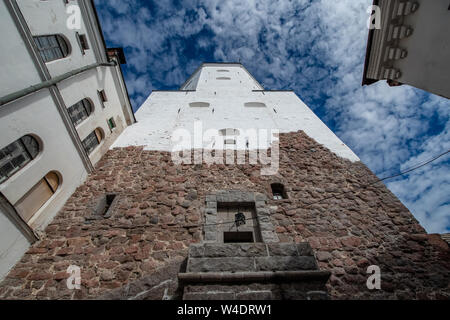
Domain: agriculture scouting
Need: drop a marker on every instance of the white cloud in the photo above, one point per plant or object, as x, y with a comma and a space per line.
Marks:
316, 48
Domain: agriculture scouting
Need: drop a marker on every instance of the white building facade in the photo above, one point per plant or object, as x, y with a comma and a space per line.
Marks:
409, 44
63, 102
224, 97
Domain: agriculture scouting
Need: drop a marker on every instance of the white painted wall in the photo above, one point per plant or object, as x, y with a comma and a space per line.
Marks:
18, 71
85, 86
50, 17
37, 114
159, 116
13, 245
427, 64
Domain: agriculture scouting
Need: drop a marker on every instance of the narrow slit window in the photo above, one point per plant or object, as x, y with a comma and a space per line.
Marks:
111, 123
82, 42
105, 206
102, 96
199, 105
278, 191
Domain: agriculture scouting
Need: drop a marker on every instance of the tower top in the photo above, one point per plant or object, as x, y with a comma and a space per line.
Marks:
232, 76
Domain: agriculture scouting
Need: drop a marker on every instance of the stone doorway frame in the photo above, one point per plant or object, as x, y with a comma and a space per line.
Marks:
238, 197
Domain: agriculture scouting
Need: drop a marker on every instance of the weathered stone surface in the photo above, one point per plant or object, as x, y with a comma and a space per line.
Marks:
285, 263
365, 226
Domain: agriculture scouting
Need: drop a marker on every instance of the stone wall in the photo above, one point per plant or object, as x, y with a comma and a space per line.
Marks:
160, 208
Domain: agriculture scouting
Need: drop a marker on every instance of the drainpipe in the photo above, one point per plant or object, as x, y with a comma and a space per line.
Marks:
47, 84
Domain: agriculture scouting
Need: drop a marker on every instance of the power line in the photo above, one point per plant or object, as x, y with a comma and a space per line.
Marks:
416, 167
387, 178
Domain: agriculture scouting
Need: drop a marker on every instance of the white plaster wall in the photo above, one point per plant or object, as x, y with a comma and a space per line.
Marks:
86, 85
18, 70
427, 64
13, 245
50, 17
164, 112
37, 114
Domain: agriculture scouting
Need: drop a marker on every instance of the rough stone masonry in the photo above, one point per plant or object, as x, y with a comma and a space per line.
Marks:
138, 251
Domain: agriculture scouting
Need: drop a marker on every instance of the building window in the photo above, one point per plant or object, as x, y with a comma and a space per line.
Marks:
102, 97
38, 196
199, 105
238, 237
245, 227
17, 155
92, 141
223, 70
82, 42
278, 191
51, 47
80, 111
255, 105
230, 142
223, 78
111, 123
229, 132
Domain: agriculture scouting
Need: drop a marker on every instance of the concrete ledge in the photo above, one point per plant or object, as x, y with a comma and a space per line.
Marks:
264, 276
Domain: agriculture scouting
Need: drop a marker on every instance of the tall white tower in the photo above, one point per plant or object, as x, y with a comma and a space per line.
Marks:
224, 96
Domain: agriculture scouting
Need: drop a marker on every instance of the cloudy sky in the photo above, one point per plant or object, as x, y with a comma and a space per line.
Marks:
316, 48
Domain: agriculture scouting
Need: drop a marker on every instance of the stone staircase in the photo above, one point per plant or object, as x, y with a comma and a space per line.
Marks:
253, 271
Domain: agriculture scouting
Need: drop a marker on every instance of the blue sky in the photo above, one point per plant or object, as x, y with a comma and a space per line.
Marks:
315, 48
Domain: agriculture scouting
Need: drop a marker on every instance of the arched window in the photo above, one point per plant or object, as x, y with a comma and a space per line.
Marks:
80, 111
278, 191
17, 155
39, 194
52, 47
93, 140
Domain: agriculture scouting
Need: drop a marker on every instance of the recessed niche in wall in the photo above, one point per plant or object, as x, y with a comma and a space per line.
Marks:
105, 206
199, 105
255, 105
223, 78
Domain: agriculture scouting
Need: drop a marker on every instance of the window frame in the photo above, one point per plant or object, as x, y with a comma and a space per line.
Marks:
48, 49
83, 42
25, 148
88, 108
99, 136
29, 200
